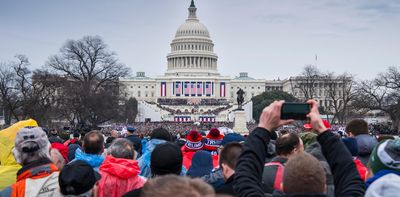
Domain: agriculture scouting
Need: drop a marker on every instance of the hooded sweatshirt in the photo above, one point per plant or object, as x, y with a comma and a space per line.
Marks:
387, 186
119, 176
202, 164
93, 160
366, 144
144, 160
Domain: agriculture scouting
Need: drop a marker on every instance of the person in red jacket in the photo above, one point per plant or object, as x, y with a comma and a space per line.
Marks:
194, 143
119, 171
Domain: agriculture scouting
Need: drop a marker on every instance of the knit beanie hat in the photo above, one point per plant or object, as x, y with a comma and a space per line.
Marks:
193, 141
232, 137
385, 156
308, 138
351, 145
213, 140
166, 159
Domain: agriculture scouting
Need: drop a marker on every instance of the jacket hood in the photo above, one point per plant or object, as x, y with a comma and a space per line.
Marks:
119, 167
93, 160
387, 185
144, 160
366, 144
202, 164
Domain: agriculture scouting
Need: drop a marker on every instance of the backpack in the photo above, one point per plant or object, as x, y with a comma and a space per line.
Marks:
279, 174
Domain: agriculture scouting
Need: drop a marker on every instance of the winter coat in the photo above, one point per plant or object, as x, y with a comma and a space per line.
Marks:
136, 141
72, 151
144, 160
227, 188
93, 160
315, 150
248, 173
215, 178
366, 144
379, 175
188, 156
39, 178
119, 176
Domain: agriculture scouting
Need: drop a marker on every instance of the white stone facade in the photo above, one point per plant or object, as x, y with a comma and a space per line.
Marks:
192, 73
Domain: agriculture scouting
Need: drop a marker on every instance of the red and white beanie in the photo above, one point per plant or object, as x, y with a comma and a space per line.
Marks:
194, 141
213, 140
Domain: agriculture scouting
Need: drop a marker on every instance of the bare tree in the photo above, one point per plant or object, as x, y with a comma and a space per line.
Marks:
20, 98
90, 92
9, 94
306, 82
383, 93
340, 90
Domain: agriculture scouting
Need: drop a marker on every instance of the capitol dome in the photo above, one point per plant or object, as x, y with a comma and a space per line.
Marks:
192, 50
192, 28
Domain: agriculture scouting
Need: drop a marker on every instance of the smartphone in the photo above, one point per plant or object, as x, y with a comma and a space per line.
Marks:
296, 111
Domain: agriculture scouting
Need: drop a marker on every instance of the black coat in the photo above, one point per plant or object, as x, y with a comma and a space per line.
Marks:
249, 170
136, 141
227, 188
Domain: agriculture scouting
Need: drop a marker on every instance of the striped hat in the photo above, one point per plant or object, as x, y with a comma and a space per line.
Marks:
193, 141
213, 140
385, 156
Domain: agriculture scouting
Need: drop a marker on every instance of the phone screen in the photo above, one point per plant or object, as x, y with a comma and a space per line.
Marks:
296, 111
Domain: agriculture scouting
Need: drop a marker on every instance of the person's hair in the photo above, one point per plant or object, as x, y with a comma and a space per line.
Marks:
173, 185
121, 148
285, 144
162, 134
76, 135
230, 153
357, 127
303, 174
93, 143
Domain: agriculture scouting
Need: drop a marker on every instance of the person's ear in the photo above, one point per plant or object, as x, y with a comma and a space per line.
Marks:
225, 169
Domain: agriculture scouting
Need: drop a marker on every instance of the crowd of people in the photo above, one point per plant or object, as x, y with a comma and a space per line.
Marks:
173, 159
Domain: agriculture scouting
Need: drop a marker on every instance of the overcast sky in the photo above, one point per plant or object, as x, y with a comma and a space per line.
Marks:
266, 38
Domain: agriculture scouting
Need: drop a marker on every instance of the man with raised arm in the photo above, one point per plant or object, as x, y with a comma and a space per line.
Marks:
298, 180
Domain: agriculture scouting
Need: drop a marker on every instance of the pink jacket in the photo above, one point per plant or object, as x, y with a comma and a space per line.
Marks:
119, 176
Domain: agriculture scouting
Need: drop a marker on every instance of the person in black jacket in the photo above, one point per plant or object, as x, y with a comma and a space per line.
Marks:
135, 139
228, 158
248, 173
287, 146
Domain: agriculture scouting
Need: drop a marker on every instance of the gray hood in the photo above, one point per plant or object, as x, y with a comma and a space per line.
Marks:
387, 186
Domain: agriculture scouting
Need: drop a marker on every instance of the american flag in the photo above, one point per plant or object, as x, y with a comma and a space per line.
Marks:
199, 88
186, 89
178, 88
163, 89
208, 88
193, 88
222, 90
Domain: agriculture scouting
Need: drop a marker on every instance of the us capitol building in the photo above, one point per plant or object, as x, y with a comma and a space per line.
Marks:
192, 89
